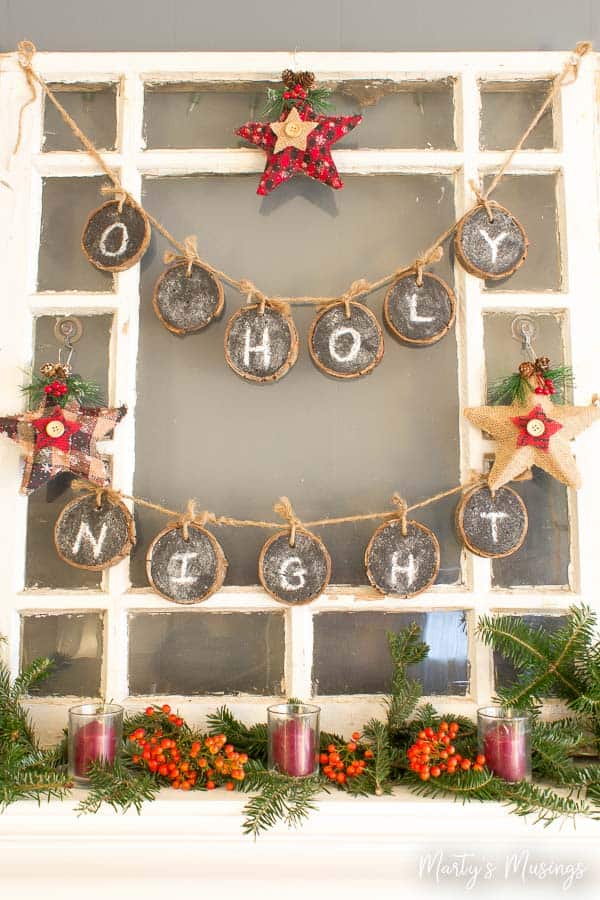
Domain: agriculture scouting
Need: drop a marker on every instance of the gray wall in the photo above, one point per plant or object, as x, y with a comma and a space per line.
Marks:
305, 24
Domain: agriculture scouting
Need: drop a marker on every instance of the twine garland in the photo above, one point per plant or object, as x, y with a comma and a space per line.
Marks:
362, 288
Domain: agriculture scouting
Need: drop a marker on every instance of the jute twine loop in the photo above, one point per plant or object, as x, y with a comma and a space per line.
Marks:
189, 255
118, 192
109, 492
482, 199
191, 517
26, 50
433, 255
572, 68
358, 287
400, 513
285, 510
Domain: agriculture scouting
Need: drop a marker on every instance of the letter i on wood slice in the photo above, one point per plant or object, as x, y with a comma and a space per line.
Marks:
114, 240
294, 574
185, 571
92, 536
491, 249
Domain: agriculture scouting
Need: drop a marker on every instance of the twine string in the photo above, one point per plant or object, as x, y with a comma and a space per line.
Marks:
401, 511
25, 54
189, 256
285, 510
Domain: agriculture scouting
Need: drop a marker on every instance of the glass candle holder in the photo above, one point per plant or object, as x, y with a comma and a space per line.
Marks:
95, 733
505, 740
294, 739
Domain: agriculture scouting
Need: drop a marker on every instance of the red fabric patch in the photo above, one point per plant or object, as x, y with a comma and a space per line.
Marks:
43, 439
541, 441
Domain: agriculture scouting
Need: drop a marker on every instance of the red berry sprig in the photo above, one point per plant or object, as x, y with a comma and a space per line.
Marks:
434, 753
56, 389
344, 762
180, 759
296, 93
545, 387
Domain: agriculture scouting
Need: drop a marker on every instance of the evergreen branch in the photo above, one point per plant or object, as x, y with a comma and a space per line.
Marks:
525, 798
252, 739
279, 798
378, 736
463, 786
118, 787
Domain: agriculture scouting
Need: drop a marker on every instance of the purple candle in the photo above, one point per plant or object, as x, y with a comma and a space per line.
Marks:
95, 734
504, 738
294, 739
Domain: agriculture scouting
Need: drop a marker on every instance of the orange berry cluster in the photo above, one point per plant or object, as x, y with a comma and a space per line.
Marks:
345, 761
185, 763
434, 753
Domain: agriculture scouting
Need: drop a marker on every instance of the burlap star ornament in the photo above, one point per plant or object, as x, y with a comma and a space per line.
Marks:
537, 433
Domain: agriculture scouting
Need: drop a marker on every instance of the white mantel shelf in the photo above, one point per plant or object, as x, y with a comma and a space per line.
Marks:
349, 844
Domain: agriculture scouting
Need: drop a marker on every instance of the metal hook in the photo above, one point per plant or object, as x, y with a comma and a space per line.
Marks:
524, 330
68, 330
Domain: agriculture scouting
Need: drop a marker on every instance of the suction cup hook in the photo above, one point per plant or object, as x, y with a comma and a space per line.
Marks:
524, 330
68, 330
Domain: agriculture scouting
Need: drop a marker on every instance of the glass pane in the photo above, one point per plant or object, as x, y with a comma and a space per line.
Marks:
74, 641
533, 200
351, 654
342, 446
207, 114
206, 653
94, 108
43, 566
544, 557
506, 111
66, 205
505, 675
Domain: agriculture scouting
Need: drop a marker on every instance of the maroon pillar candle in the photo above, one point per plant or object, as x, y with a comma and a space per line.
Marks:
504, 738
294, 739
94, 741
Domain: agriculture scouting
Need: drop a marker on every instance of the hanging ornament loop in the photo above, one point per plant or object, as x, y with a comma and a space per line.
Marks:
400, 512
285, 510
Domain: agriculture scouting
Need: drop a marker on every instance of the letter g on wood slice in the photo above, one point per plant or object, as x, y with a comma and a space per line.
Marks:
402, 565
346, 347
185, 571
259, 346
493, 249
88, 536
114, 241
298, 574
492, 525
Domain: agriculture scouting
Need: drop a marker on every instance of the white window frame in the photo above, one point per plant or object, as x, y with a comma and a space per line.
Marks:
574, 160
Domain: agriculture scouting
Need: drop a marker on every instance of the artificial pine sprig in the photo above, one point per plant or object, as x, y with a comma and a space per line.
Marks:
517, 388
59, 392
297, 89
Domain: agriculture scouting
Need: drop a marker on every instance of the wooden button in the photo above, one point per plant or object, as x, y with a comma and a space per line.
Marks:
535, 427
292, 129
55, 429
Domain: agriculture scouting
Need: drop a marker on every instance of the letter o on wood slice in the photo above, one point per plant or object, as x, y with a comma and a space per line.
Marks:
346, 347
113, 240
295, 574
185, 571
493, 249
492, 525
261, 346
88, 536
187, 303
419, 315
402, 565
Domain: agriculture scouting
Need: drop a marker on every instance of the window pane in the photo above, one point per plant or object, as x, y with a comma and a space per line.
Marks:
533, 200
505, 675
506, 111
351, 654
44, 568
207, 114
206, 653
544, 557
66, 205
74, 641
94, 108
340, 447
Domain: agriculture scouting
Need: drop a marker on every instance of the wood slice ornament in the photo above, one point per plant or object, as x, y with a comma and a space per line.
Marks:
184, 569
93, 533
402, 559
115, 236
187, 297
490, 524
294, 573
419, 314
346, 340
490, 246
261, 342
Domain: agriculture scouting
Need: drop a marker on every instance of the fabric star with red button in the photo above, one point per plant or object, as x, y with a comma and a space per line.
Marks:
54, 431
55, 440
299, 143
535, 429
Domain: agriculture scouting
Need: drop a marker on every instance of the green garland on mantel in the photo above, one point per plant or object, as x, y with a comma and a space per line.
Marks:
564, 664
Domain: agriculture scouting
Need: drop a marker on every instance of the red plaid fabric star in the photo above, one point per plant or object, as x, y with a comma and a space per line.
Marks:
535, 429
54, 431
315, 161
